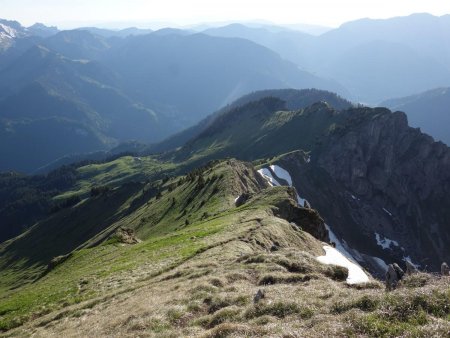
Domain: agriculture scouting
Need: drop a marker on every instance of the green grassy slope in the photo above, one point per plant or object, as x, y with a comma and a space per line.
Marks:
261, 129
294, 100
198, 263
169, 217
28, 199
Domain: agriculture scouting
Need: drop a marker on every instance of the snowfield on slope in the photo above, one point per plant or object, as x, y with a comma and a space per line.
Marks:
281, 173
339, 256
267, 175
356, 274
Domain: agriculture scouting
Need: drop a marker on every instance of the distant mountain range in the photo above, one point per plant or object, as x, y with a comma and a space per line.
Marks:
373, 59
429, 111
52, 106
100, 88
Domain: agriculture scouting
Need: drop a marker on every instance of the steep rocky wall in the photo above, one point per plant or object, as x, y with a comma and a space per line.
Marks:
400, 171
376, 175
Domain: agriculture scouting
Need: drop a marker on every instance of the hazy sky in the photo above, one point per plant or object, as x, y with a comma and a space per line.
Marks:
71, 13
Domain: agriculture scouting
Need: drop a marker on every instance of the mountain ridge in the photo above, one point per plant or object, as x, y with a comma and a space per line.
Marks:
428, 111
144, 99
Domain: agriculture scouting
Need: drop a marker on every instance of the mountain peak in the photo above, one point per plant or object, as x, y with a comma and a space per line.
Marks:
39, 29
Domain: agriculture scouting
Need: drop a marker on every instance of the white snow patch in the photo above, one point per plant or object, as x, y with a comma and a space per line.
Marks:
284, 174
385, 242
338, 256
267, 175
301, 201
387, 212
281, 173
338, 243
8, 30
356, 274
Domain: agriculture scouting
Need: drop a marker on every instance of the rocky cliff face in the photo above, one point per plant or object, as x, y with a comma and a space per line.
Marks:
384, 187
307, 219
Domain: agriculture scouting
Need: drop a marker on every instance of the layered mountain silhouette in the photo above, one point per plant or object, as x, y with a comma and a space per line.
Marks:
104, 89
145, 86
193, 75
429, 111
373, 59
52, 106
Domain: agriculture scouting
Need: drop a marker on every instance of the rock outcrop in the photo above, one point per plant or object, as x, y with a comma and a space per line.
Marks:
382, 185
401, 173
307, 219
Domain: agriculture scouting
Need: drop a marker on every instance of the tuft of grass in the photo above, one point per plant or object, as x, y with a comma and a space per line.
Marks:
236, 276
365, 303
252, 259
216, 303
279, 310
416, 280
217, 282
337, 273
157, 326
229, 314
296, 267
374, 325
230, 329
402, 312
174, 316
263, 320
271, 279
436, 303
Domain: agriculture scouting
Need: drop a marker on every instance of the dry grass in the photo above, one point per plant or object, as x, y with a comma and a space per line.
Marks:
211, 295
